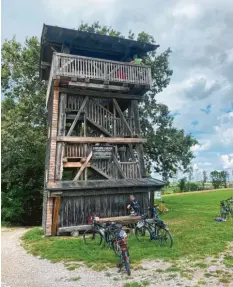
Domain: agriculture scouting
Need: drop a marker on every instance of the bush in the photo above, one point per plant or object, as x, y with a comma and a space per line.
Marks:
191, 186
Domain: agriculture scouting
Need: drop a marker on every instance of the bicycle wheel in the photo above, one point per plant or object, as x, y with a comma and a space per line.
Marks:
126, 262
116, 248
143, 233
164, 237
92, 237
110, 237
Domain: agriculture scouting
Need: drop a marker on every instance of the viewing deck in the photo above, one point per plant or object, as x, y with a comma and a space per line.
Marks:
97, 74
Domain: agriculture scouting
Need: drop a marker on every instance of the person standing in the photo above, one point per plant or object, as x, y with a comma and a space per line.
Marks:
133, 206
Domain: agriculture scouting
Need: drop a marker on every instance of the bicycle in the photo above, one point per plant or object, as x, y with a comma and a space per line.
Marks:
226, 208
95, 235
101, 232
156, 230
122, 250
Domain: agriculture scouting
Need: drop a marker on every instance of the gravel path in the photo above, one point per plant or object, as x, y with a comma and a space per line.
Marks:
20, 269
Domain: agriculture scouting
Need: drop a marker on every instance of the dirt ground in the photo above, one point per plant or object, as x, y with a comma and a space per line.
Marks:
20, 269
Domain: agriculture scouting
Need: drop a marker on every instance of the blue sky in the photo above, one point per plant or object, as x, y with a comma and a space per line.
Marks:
200, 95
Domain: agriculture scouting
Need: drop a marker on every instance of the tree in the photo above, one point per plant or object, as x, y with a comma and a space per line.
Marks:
204, 178
23, 132
216, 178
219, 178
24, 125
225, 176
182, 184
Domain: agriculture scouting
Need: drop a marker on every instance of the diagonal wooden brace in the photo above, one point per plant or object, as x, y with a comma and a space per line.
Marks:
122, 116
83, 167
77, 116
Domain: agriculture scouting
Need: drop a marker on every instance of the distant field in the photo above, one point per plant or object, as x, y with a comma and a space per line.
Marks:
191, 219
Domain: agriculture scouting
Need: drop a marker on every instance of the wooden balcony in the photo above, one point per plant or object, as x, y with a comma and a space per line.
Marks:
93, 73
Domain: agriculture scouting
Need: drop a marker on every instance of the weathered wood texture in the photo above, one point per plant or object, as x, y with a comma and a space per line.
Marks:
121, 219
57, 202
101, 140
99, 69
61, 132
75, 210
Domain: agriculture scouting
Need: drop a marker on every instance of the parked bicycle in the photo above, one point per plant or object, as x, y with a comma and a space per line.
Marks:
122, 250
226, 208
153, 230
110, 233
95, 235
101, 234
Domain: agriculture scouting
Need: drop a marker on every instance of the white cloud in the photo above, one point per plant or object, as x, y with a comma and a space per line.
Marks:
184, 9
205, 163
224, 135
195, 166
201, 147
227, 160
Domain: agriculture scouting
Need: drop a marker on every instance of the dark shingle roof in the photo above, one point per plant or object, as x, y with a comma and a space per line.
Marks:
99, 184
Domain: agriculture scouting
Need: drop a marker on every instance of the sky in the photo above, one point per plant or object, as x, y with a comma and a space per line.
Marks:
200, 95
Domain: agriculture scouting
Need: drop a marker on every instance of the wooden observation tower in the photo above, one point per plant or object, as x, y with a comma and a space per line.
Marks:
94, 158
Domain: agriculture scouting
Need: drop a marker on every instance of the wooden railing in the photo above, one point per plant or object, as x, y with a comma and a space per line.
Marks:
74, 151
93, 68
130, 169
101, 116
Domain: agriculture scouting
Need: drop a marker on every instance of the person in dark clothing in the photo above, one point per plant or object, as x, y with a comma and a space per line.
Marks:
133, 206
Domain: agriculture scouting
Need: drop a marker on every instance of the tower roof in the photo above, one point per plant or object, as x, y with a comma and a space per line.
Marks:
55, 39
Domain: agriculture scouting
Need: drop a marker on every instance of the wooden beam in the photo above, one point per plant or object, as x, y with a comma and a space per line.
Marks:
61, 132
121, 219
77, 116
57, 202
138, 132
103, 130
118, 166
83, 166
74, 164
98, 86
103, 94
152, 200
122, 116
74, 228
141, 160
136, 117
101, 140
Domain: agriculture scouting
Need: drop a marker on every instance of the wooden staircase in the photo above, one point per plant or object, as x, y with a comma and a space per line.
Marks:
101, 118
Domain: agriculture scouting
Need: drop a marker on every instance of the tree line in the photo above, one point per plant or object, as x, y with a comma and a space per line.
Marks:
218, 179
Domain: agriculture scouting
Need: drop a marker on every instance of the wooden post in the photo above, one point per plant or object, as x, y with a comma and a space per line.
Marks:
57, 202
138, 132
85, 146
152, 199
114, 122
61, 132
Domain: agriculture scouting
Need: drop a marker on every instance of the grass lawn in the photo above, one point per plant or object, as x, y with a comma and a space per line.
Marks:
191, 219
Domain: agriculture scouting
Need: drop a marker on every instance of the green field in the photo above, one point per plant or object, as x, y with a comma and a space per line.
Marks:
191, 219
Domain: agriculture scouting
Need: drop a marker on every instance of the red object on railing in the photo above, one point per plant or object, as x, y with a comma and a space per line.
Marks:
120, 75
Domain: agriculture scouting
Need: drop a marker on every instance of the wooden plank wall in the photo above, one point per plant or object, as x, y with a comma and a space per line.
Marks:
75, 210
